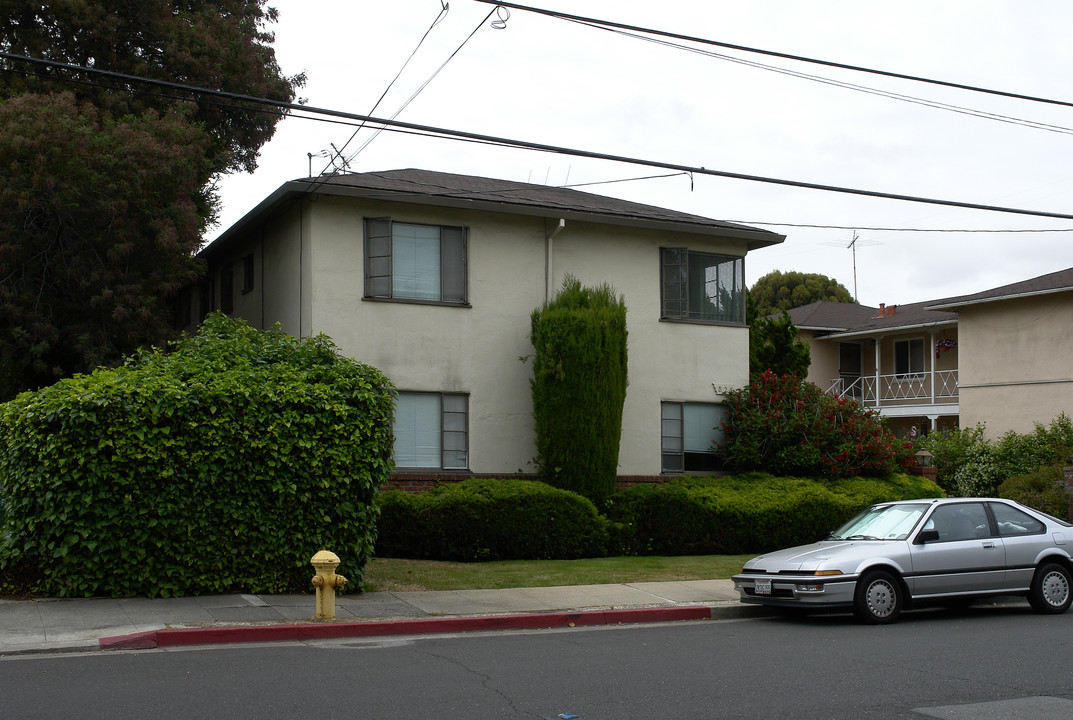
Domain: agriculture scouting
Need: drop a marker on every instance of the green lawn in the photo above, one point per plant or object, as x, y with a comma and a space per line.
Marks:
391, 574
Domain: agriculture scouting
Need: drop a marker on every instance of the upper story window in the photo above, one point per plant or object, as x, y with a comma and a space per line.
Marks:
247, 273
227, 288
702, 286
909, 356
425, 263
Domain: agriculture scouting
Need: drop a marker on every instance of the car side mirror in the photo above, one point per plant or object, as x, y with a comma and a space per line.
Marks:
927, 536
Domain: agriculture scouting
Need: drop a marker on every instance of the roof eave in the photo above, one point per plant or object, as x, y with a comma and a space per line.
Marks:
1000, 298
873, 332
755, 239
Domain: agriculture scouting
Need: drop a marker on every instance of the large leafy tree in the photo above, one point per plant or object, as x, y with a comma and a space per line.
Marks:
106, 185
778, 291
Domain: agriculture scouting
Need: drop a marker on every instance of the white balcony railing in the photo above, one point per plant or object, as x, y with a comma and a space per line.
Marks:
941, 386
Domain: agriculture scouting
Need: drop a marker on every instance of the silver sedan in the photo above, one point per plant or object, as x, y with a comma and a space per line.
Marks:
899, 554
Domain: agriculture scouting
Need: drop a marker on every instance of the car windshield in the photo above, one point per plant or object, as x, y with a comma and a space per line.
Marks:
883, 522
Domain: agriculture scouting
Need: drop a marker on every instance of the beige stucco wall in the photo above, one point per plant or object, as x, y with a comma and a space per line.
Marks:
1016, 366
484, 350
823, 360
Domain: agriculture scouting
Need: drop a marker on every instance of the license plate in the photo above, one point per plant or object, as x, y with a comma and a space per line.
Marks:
762, 587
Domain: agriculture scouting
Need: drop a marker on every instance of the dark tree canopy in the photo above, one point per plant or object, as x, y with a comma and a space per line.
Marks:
215, 44
778, 291
106, 187
774, 345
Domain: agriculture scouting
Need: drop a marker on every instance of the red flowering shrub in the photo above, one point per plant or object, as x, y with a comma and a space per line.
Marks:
786, 426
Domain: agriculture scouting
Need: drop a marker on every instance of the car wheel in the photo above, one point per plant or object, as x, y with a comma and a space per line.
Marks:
878, 598
1050, 591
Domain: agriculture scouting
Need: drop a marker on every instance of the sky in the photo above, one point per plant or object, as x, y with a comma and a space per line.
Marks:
555, 82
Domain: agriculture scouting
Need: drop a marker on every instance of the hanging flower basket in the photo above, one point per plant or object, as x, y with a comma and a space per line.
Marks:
944, 345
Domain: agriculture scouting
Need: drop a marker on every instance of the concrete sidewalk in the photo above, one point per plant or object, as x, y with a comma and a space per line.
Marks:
62, 625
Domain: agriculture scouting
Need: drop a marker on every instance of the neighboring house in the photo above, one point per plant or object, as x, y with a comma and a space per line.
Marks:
999, 357
901, 360
433, 277
1016, 350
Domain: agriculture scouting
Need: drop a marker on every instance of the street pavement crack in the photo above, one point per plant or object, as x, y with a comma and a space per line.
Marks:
488, 684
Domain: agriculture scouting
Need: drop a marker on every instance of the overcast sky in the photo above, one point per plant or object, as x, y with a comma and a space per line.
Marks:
550, 81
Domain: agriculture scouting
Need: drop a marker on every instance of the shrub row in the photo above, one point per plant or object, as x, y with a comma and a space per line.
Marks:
525, 519
483, 519
754, 512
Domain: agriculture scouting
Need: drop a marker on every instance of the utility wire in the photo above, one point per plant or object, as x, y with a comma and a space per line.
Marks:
445, 8
773, 53
286, 107
499, 24
845, 85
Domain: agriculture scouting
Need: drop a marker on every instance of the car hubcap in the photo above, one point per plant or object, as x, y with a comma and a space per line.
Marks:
881, 599
1055, 589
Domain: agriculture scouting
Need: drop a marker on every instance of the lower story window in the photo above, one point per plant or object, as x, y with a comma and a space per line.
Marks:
432, 431
690, 433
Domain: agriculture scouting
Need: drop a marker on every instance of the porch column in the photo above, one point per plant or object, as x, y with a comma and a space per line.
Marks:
933, 421
879, 389
931, 362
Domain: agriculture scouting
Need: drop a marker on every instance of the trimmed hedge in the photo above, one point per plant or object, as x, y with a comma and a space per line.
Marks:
223, 465
525, 519
482, 519
754, 512
1043, 489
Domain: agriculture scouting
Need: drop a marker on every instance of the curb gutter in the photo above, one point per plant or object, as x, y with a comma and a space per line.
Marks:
175, 637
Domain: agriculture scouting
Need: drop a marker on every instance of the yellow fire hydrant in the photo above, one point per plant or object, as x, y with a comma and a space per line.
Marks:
326, 581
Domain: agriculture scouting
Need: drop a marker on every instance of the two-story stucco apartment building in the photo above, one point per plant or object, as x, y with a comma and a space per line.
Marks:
432, 278
1002, 357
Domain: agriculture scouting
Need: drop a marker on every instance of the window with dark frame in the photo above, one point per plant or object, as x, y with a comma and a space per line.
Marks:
689, 434
701, 287
247, 273
432, 431
909, 357
227, 289
421, 263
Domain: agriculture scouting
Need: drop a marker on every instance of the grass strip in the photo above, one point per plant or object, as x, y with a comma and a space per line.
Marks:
401, 575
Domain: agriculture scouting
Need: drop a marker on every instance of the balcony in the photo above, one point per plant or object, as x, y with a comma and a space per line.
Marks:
938, 388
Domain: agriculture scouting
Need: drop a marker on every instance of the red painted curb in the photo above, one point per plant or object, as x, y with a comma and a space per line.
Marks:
322, 631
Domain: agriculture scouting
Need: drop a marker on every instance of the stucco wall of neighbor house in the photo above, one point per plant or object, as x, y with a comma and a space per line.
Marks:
484, 350
823, 360
1015, 362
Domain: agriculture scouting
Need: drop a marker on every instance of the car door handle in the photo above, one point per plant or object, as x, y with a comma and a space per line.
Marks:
989, 546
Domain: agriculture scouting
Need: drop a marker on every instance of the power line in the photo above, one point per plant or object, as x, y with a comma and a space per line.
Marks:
897, 229
439, 17
286, 107
847, 85
773, 53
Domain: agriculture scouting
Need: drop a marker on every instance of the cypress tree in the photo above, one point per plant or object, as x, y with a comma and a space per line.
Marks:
579, 387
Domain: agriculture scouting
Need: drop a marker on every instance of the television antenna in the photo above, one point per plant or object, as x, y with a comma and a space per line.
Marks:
852, 247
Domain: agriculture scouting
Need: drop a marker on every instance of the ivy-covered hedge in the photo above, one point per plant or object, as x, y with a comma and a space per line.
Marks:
222, 465
754, 512
481, 519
